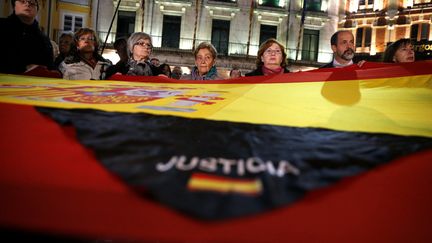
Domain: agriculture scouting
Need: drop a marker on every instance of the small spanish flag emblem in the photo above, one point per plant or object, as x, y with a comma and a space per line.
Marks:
221, 184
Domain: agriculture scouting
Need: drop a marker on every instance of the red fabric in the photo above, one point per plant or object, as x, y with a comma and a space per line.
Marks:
369, 70
52, 184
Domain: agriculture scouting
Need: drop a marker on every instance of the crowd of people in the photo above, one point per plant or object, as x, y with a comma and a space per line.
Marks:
78, 55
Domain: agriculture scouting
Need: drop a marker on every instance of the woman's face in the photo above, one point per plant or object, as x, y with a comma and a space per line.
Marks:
404, 53
204, 60
86, 43
142, 49
272, 56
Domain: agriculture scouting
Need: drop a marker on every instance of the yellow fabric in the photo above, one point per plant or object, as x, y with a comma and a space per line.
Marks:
400, 105
252, 187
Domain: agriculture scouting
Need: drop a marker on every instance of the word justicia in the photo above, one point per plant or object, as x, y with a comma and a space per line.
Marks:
251, 165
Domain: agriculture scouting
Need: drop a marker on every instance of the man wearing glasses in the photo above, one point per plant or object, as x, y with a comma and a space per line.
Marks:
24, 46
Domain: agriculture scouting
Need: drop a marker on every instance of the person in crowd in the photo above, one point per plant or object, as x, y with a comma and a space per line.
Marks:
56, 50
155, 61
84, 61
205, 58
343, 47
140, 47
120, 45
165, 69
176, 72
271, 59
235, 73
66, 42
401, 50
24, 45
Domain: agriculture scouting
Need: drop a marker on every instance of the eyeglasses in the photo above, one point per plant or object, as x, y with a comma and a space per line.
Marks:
205, 58
270, 52
145, 45
31, 3
82, 38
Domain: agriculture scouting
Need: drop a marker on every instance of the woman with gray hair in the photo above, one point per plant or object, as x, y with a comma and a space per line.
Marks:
205, 58
140, 47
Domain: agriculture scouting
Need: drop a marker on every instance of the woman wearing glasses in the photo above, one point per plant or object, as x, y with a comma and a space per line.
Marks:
140, 47
205, 58
271, 59
84, 61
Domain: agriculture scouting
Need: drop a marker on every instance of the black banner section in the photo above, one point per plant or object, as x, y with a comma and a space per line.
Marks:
216, 170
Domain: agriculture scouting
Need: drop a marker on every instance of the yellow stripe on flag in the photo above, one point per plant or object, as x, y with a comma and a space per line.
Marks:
399, 105
204, 182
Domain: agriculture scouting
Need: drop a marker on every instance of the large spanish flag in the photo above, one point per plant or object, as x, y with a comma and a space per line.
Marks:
221, 149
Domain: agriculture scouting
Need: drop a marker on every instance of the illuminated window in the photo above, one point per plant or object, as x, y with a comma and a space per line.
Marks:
72, 22
420, 31
313, 5
171, 31
125, 23
272, 3
267, 32
363, 37
220, 35
310, 45
365, 4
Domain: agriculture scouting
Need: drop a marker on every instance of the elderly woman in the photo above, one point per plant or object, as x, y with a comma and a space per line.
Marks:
271, 59
205, 58
140, 47
84, 61
399, 51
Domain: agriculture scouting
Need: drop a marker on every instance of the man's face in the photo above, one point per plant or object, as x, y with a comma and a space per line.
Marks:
345, 49
26, 8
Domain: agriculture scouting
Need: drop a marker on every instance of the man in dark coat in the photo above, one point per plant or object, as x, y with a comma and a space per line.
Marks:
343, 47
24, 46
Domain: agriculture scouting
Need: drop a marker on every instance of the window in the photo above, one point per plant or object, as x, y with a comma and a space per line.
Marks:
272, 3
310, 45
420, 31
72, 22
267, 32
365, 4
363, 37
125, 23
225, 1
220, 35
313, 5
171, 31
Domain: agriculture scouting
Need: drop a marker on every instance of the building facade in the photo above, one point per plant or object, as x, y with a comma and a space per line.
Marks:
375, 24
237, 27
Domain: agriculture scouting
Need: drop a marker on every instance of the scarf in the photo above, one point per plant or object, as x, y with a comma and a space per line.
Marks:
268, 71
210, 75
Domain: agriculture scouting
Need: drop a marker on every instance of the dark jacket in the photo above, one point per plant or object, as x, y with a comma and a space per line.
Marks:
328, 65
140, 68
259, 72
23, 45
